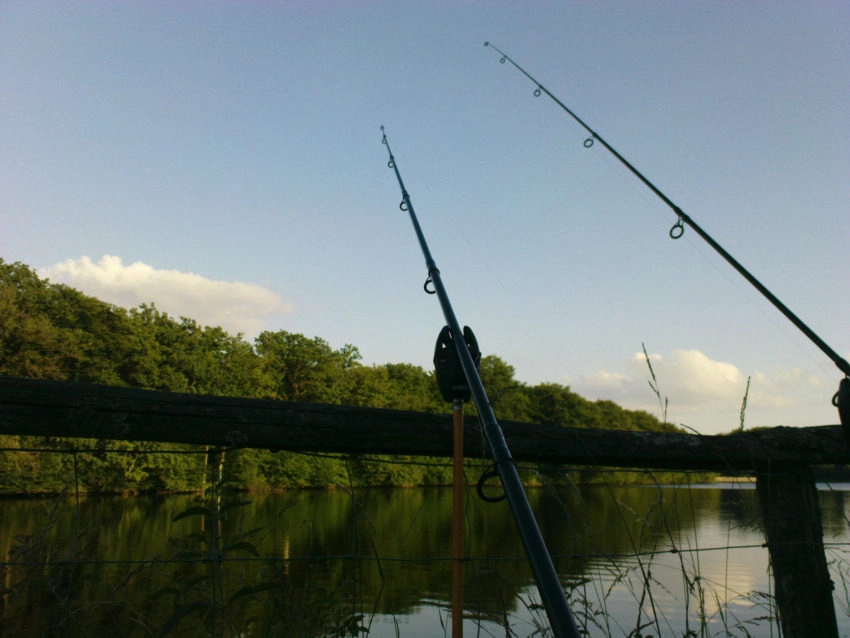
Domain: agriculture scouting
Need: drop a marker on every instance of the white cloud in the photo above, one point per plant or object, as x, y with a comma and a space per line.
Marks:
706, 394
693, 377
235, 306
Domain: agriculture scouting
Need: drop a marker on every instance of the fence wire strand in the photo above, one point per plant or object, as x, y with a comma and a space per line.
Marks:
370, 555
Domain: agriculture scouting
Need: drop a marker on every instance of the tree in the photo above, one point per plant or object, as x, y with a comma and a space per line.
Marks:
54, 331
411, 388
508, 396
302, 369
552, 403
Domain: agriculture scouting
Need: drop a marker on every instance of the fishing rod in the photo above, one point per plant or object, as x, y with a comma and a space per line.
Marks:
548, 584
842, 398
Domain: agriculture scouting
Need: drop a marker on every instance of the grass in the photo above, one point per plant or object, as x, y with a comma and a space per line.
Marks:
212, 589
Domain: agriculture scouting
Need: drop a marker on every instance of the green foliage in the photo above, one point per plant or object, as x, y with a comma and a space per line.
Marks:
52, 331
508, 396
200, 597
305, 369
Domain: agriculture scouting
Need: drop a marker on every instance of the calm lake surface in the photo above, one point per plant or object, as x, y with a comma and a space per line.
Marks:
377, 562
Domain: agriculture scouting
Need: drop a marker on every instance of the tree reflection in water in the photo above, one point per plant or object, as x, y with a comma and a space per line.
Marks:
337, 563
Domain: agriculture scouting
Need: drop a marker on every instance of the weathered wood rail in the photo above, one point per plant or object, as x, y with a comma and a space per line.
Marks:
58, 408
781, 458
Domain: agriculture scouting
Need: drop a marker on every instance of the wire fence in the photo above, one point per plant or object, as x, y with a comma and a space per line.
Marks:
644, 558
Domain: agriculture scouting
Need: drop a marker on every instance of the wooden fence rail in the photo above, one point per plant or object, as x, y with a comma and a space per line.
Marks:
58, 408
781, 457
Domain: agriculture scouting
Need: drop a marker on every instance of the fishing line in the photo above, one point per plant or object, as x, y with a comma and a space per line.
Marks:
842, 397
651, 204
461, 345
699, 249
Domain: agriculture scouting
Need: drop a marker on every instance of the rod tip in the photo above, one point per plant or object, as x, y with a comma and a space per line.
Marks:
486, 44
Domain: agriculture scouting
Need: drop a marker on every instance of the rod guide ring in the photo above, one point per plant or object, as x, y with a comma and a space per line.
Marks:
491, 473
677, 229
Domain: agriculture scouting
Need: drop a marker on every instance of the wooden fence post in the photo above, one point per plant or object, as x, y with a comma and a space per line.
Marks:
791, 515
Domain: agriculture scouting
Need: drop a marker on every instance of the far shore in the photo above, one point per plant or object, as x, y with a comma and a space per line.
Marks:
734, 479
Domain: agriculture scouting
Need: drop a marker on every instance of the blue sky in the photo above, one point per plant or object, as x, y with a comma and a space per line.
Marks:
223, 160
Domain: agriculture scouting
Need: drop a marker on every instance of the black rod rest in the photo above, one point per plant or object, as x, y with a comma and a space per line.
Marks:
450, 376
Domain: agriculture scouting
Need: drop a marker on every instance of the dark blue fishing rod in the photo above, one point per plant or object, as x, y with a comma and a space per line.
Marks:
551, 593
842, 398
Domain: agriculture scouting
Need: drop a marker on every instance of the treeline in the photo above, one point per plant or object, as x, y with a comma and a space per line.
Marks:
52, 331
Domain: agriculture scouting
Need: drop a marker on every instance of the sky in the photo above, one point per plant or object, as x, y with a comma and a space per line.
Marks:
223, 161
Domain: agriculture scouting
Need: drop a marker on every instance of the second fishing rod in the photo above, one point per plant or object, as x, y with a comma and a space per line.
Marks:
842, 397
548, 584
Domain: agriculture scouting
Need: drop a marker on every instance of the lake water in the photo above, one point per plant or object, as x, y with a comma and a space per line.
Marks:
378, 563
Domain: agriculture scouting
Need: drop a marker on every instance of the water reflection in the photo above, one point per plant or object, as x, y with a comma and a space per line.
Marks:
317, 563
